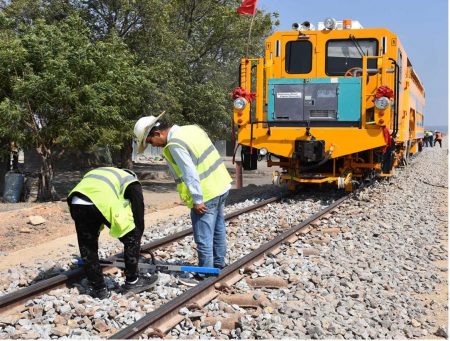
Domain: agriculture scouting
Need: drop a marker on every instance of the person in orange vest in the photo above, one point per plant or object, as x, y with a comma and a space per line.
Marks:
438, 138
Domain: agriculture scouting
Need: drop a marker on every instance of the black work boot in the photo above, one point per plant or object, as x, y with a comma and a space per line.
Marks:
192, 280
218, 266
100, 293
141, 284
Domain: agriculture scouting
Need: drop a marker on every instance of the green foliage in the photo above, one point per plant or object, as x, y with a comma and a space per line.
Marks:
60, 87
192, 47
208, 40
79, 73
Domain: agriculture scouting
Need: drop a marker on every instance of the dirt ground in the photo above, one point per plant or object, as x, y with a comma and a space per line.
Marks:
21, 241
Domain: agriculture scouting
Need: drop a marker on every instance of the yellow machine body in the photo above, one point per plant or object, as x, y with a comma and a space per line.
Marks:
315, 108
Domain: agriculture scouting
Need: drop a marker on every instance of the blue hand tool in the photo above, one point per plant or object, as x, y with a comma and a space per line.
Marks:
160, 267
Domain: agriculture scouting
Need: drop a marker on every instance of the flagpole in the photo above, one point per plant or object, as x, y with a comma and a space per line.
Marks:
250, 34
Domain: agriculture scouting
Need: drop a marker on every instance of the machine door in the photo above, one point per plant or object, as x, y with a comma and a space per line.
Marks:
321, 101
288, 102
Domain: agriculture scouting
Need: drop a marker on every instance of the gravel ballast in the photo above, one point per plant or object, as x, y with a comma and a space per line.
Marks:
371, 280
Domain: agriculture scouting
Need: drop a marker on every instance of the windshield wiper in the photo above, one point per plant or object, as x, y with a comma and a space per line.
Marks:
358, 47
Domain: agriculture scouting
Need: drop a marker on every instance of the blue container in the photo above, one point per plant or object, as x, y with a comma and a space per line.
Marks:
13, 187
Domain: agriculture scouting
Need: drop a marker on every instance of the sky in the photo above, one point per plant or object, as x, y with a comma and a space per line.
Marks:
422, 27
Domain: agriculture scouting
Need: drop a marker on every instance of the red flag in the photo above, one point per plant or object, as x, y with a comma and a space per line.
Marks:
247, 7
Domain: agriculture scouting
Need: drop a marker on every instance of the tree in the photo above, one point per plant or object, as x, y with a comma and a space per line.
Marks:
60, 88
213, 39
78, 73
193, 48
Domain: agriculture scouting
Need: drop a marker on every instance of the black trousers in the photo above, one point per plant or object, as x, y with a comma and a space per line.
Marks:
88, 221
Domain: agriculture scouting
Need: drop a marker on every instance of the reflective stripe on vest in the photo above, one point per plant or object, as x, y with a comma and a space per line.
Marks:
104, 179
214, 178
122, 180
196, 160
211, 169
105, 187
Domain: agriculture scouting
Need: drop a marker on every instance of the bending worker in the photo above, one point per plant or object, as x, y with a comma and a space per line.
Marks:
438, 138
202, 181
112, 197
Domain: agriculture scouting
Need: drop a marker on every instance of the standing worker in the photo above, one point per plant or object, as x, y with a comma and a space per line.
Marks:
202, 181
112, 197
438, 138
426, 138
430, 138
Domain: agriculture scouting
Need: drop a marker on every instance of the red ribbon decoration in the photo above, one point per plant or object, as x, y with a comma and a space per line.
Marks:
384, 91
241, 92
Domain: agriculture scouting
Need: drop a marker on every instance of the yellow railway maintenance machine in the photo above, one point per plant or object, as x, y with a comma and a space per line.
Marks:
336, 104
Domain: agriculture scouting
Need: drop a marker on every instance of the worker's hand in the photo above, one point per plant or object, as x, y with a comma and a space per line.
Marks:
200, 208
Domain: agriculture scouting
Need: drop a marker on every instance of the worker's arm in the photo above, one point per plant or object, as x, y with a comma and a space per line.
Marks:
134, 194
190, 176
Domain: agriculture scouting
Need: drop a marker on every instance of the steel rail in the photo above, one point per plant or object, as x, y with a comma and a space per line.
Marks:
186, 232
16, 298
170, 309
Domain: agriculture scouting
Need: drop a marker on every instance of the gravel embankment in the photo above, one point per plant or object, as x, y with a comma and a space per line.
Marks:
373, 280
369, 281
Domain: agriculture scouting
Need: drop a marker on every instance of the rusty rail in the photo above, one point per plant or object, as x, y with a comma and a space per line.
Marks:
169, 310
15, 299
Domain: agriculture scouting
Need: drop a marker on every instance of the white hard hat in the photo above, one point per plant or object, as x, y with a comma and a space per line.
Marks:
142, 128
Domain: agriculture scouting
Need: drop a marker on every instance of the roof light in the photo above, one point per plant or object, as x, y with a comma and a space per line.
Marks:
307, 25
304, 26
330, 23
347, 24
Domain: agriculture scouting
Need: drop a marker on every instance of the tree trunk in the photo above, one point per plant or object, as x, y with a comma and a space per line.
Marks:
46, 190
125, 155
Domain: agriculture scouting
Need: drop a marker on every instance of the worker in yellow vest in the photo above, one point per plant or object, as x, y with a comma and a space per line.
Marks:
202, 181
113, 197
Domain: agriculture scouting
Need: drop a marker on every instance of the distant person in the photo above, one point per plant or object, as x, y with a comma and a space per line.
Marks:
112, 197
425, 139
430, 138
438, 137
202, 181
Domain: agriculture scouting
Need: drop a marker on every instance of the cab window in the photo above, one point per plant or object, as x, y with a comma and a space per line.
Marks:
298, 57
343, 55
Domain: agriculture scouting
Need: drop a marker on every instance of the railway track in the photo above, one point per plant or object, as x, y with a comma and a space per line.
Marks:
166, 316
11, 301
344, 292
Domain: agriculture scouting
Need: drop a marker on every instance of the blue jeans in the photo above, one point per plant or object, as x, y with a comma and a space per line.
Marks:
209, 233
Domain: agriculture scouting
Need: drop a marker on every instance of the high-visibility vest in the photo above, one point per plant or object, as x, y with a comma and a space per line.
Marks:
214, 177
105, 187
